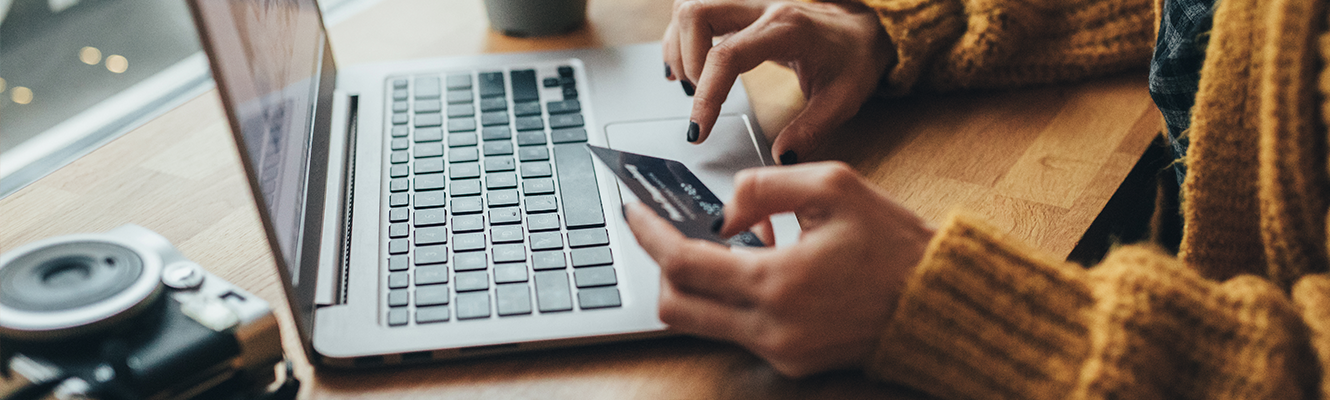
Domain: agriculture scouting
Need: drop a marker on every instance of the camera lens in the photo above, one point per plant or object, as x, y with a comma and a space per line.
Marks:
88, 278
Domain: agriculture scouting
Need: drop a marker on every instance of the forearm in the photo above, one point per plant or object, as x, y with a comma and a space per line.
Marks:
944, 45
983, 318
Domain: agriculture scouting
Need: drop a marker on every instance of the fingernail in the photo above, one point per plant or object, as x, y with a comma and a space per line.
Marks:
668, 73
789, 158
692, 132
688, 88
715, 226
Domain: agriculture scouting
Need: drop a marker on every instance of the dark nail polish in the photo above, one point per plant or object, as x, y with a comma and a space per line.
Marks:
692, 132
715, 226
688, 88
789, 158
668, 73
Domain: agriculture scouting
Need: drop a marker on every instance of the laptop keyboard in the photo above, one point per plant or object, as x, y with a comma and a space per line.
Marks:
494, 210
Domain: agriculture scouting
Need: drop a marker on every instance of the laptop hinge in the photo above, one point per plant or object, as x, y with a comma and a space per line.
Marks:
331, 288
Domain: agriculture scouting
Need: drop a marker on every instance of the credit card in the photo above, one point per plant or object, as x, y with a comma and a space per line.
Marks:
669, 188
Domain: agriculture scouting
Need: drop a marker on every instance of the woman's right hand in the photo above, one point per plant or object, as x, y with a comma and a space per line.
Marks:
838, 51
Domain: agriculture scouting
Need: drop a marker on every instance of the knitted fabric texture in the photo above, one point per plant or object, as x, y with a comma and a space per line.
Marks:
1243, 312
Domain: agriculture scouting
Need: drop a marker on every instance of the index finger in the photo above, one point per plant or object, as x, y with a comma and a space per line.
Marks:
741, 52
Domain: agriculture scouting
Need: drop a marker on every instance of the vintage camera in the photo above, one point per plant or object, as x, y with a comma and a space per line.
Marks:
124, 315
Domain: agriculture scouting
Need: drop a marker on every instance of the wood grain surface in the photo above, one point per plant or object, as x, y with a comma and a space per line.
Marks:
1039, 163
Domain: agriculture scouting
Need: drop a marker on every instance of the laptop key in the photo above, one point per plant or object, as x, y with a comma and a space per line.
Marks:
542, 222
431, 217
431, 275
569, 135
493, 118
467, 205
399, 94
432, 295
473, 305
577, 186
498, 148
461, 124
590, 256
427, 87
506, 234
463, 154
429, 315
397, 263
512, 299
400, 106
569, 93
429, 166
470, 261
400, 119
552, 292
559, 121
499, 164
459, 81
496, 133
430, 181
509, 252
540, 204
543, 260
426, 120
467, 187
551, 82
594, 276
462, 139
428, 106
546, 241
468, 241
602, 297
399, 157
399, 83
468, 223
533, 153
399, 144
509, 272
565, 71
505, 215
504, 180
434, 235
437, 254
536, 170
431, 199
563, 106
399, 185
465, 171
399, 280
400, 214
529, 123
398, 298
427, 150
461, 110
493, 104
432, 134
400, 131
459, 96
398, 230
588, 237
491, 84
538, 186
526, 108
524, 85
398, 171
531, 138
502, 198
398, 246
471, 281
397, 317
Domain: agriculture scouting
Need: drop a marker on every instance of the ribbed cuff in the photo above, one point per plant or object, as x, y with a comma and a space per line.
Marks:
919, 29
983, 318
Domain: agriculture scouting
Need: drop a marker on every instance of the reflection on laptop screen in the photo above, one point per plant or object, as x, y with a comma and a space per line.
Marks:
267, 53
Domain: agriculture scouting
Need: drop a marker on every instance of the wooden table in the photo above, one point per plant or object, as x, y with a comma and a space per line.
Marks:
1040, 163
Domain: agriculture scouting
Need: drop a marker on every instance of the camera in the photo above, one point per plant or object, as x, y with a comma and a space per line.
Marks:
124, 315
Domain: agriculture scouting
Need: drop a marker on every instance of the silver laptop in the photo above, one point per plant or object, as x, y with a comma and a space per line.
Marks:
449, 207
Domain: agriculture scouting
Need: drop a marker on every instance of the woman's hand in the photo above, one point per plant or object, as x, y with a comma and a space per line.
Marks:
838, 51
818, 304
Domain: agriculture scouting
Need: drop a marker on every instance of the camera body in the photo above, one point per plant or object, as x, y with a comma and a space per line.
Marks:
124, 315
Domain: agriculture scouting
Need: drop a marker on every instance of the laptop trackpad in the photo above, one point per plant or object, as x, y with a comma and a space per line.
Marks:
729, 149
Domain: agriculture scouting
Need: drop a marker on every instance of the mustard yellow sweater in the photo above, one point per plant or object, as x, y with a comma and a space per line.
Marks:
1243, 312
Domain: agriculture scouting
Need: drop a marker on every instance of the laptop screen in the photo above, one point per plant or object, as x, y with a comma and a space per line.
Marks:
273, 67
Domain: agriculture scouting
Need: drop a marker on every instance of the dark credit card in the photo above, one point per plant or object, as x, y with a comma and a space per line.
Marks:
668, 187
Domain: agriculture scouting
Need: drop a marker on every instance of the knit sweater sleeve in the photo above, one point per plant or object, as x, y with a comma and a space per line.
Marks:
952, 44
986, 319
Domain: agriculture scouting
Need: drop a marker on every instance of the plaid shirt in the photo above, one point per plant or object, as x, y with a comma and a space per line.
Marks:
1175, 70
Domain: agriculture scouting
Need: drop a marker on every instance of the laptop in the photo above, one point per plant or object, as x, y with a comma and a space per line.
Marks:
447, 208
